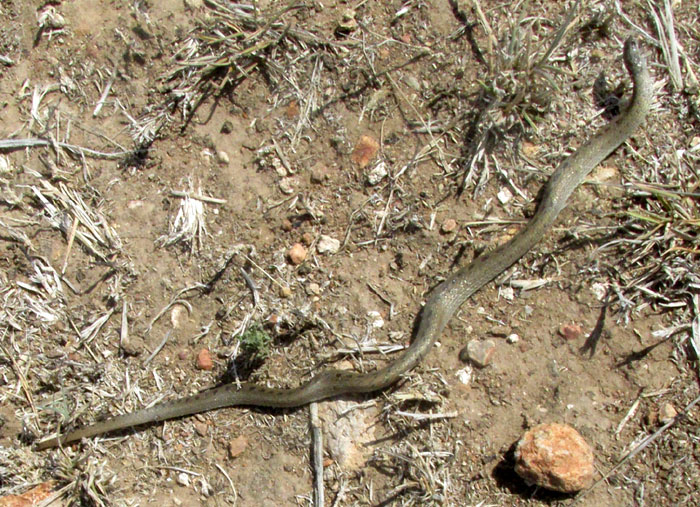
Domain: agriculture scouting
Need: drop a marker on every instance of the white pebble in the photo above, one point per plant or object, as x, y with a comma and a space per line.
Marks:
222, 157
599, 290
183, 479
465, 375
504, 195
287, 185
507, 293
513, 338
327, 244
376, 319
377, 174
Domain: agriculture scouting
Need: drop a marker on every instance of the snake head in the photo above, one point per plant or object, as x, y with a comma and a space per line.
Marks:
633, 56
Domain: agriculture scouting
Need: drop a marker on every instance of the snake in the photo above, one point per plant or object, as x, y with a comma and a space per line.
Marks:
443, 301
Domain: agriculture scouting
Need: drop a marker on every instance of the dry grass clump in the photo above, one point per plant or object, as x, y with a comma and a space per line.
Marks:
231, 43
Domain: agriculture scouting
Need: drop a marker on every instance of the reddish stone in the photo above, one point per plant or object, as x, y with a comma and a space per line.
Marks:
570, 331
296, 254
556, 457
364, 151
204, 360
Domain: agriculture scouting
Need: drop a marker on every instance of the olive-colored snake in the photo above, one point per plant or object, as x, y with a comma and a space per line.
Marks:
444, 300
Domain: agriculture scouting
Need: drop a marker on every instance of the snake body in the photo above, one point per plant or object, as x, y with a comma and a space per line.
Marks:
443, 301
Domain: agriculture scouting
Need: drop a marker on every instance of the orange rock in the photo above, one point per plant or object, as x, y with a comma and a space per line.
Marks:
365, 150
555, 456
204, 361
296, 254
448, 225
570, 331
237, 446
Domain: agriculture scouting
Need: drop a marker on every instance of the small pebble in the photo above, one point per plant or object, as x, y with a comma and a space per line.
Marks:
204, 361
280, 169
314, 288
448, 226
375, 319
507, 293
285, 291
227, 126
183, 479
292, 110
479, 352
201, 428
513, 338
570, 331
364, 151
287, 185
222, 157
555, 456
296, 254
529, 149
465, 375
307, 238
237, 446
603, 173
53, 19
319, 174
347, 24
377, 174
327, 244
599, 290
667, 413
287, 225
504, 195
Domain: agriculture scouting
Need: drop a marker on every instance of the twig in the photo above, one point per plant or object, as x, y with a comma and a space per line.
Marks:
317, 445
17, 144
71, 238
124, 330
279, 284
105, 92
199, 197
158, 348
427, 417
172, 303
230, 482
629, 415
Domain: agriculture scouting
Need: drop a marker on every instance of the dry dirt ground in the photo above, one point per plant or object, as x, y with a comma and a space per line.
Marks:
111, 282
